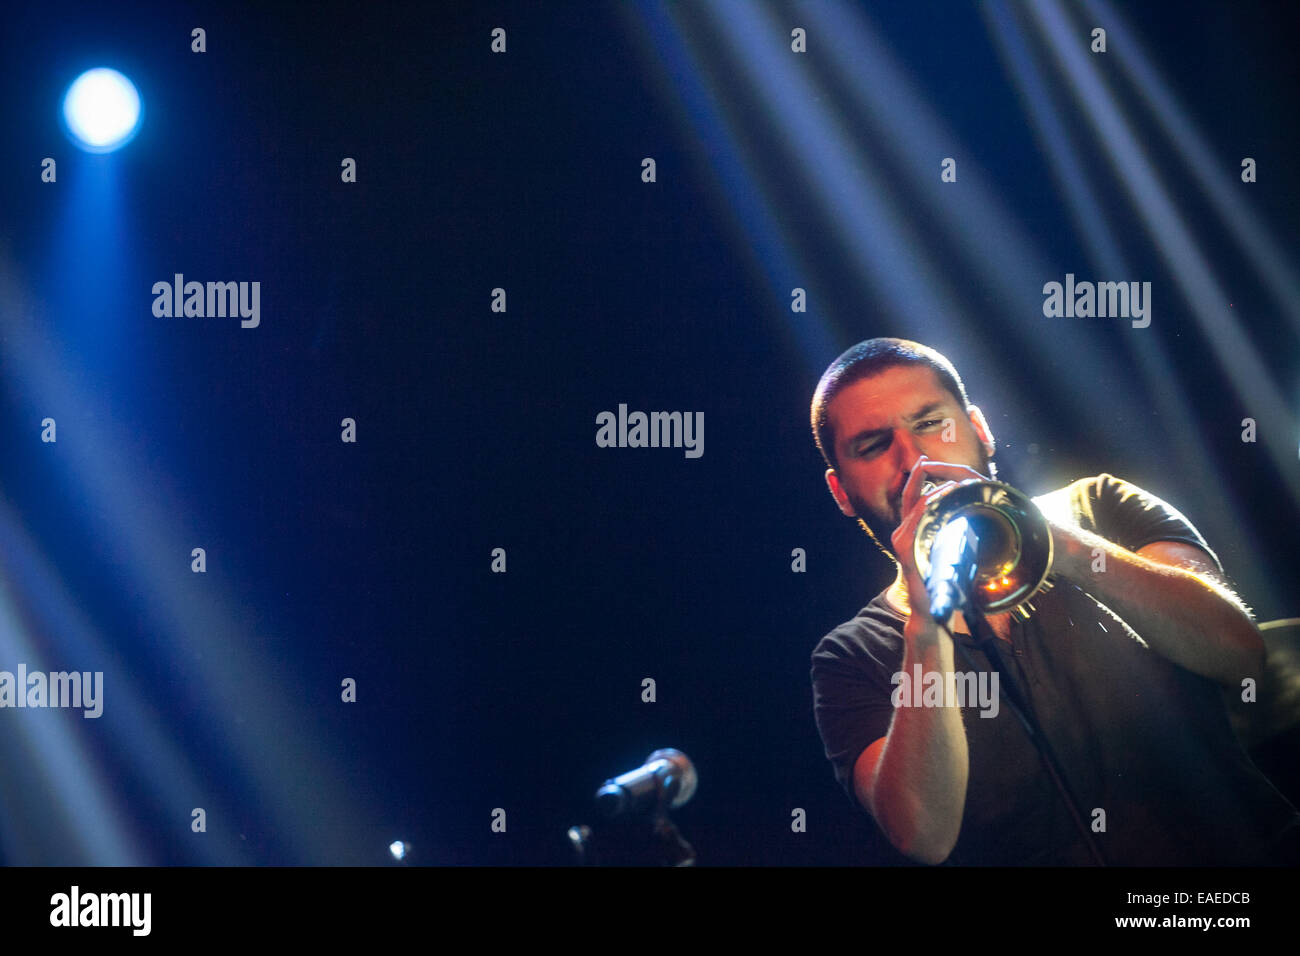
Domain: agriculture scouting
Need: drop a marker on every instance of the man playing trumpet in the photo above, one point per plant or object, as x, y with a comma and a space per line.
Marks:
1121, 663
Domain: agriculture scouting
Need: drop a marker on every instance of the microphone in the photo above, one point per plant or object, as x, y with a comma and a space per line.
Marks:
954, 561
952, 564
666, 780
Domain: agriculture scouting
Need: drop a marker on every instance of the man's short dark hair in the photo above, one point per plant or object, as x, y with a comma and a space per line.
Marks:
866, 359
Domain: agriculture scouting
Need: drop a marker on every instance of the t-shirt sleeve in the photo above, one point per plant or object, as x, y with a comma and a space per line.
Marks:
851, 702
1121, 512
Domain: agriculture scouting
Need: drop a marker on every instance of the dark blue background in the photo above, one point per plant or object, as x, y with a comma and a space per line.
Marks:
476, 429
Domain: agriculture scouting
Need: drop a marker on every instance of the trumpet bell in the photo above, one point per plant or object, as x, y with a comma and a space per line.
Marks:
1014, 555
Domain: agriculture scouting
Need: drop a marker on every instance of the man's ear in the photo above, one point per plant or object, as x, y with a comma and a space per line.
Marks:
837, 492
982, 430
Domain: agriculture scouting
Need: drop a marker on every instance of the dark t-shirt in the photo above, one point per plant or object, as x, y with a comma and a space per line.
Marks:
1141, 739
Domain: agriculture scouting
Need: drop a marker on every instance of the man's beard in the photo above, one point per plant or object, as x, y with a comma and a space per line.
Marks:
874, 523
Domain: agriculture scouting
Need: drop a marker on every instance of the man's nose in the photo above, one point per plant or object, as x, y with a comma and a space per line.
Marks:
906, 449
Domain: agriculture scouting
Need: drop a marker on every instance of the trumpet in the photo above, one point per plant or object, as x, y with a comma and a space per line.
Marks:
984, 544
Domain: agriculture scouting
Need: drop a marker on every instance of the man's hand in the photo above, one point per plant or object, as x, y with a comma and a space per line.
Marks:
912, 505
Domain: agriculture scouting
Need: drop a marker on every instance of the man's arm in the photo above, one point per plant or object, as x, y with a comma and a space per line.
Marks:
913, 780
1167, 592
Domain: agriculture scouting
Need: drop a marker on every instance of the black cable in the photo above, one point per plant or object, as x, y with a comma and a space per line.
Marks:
987, 641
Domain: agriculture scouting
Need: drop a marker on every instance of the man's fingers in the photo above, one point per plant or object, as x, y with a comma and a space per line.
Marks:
927, 468
912, 489
904, 536
943, 469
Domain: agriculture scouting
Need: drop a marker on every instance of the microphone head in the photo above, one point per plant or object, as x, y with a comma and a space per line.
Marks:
611, 800
665, 781
682, 779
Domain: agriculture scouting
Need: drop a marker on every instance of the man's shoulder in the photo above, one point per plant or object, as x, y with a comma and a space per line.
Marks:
1121, 511
1094, 488
1088, 488
875, 630
1094, 501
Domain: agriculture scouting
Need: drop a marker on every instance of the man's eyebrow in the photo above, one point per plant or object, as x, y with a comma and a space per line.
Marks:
866, 433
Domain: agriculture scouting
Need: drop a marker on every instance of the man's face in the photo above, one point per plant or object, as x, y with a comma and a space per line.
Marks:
882, 424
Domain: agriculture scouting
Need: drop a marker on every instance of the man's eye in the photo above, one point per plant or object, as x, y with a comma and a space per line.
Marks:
933, 421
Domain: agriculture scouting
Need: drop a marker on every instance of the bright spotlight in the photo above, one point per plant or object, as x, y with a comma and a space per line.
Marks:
102, 110
399, 849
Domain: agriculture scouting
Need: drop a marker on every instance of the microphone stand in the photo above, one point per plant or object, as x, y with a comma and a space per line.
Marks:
988, 641
632, 842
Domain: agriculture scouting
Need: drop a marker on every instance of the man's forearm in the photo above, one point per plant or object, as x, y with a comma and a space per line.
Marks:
918, 793
1176, 612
